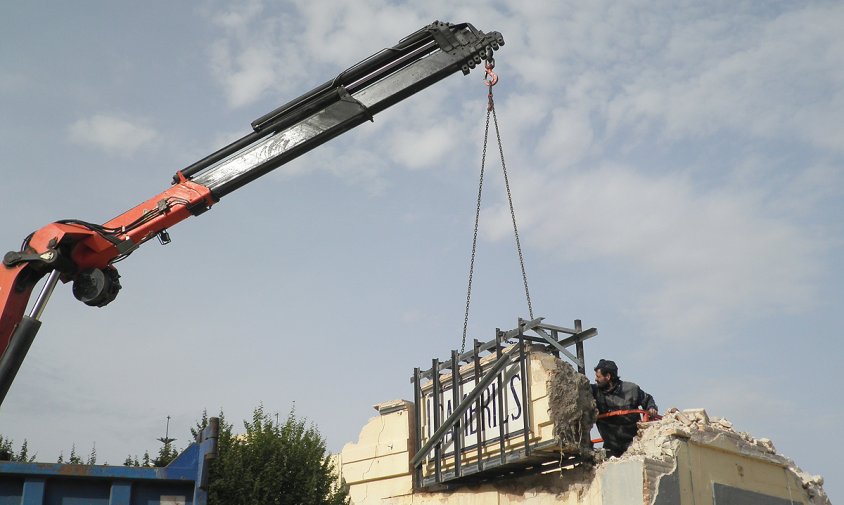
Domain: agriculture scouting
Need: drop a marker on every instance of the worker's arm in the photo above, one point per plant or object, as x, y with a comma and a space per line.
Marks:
83, 253
647, 402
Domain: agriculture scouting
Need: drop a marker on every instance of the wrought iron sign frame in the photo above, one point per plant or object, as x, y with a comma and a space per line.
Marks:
506, 352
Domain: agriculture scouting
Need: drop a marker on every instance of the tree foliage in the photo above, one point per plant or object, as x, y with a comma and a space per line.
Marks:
7, 451
75, 459
272, 463
166, 454
145, 462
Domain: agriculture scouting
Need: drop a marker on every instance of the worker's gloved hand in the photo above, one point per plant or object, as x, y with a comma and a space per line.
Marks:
652, 412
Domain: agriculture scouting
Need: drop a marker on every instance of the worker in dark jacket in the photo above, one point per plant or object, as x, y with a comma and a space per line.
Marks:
611, 394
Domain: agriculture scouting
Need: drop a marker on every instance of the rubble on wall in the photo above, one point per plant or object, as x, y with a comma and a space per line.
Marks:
656, 441
572, 408
377, 470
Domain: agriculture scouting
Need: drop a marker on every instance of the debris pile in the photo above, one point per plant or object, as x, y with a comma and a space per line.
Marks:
657, 441
572, 408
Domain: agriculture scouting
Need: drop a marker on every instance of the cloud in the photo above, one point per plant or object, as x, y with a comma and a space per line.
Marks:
753, 76
262, 49
244, 73
658, 144
357, 166
111, 134
567, 138
343, 33
653, 129
425, 145
709, 255
255, 52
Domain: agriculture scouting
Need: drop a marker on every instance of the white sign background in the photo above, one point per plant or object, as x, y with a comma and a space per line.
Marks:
488, 417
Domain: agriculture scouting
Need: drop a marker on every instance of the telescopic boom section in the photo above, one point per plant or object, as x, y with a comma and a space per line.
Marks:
83, 252
350, 99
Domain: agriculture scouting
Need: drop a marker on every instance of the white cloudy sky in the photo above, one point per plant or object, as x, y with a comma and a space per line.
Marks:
676, 169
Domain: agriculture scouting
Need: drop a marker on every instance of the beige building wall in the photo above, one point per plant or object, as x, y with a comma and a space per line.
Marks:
685, 459
702, 467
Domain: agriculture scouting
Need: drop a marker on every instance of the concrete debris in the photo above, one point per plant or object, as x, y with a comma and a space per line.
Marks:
658, 440
572, 408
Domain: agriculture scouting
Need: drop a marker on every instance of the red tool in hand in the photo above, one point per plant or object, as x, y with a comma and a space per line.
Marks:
646, 417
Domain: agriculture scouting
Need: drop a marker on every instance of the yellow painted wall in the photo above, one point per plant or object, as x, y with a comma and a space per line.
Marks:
721, 461
377, 467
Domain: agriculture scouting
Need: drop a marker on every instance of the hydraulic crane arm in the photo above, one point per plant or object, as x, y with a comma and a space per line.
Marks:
84, 253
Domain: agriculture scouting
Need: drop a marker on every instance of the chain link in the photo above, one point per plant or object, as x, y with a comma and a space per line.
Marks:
475, 236
491, 110
512, 214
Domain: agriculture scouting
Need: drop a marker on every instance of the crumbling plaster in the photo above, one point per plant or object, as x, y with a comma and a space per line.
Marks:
686, 458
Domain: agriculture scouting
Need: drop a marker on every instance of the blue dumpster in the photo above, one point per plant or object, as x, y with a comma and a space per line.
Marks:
183, 482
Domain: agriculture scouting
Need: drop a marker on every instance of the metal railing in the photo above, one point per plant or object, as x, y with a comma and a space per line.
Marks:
479, 432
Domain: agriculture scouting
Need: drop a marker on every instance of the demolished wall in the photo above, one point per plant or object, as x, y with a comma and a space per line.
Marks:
716, 454
687, 458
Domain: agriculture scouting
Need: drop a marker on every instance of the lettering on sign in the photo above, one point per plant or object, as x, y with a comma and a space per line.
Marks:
484, 424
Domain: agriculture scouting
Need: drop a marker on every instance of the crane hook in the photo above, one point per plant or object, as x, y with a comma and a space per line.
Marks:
490, 78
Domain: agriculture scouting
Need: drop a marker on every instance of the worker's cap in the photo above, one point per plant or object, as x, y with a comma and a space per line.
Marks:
607, 366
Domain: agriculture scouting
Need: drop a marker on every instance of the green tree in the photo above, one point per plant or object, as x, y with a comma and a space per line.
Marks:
92, 458
23, 455
272, 463
7, 451
166, 454
75, 459
130, 461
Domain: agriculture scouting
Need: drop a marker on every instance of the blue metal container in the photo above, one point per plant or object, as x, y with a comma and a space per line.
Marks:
183, 482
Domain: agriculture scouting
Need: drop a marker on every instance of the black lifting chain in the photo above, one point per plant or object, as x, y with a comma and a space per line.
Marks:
490, 79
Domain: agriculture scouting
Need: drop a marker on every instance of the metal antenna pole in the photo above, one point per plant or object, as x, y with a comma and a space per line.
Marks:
167, 440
